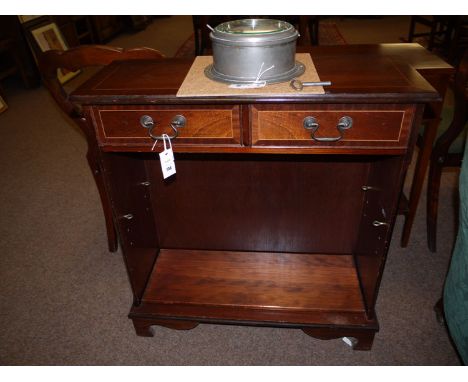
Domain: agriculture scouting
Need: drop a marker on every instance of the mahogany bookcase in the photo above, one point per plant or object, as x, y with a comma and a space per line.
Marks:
270, 220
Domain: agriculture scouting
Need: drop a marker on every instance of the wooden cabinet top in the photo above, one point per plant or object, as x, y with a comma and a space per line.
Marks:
359, 73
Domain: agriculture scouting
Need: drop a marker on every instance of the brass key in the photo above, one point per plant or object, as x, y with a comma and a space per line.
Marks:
299, 85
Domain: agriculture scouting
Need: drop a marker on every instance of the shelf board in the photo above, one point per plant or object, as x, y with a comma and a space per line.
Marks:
253, 286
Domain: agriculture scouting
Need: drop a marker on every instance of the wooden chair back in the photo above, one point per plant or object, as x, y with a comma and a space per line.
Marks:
460, 115
79, 58
441, 157
73, 60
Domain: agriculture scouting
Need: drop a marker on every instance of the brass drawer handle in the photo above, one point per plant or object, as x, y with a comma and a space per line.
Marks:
310, 123
177, 122
344, 123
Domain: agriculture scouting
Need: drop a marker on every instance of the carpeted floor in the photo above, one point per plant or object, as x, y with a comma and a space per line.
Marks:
64, 298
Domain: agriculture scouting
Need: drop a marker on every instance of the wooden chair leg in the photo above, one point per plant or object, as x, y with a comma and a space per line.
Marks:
302, 29
430, 44
204, 34
314, 30
439, 311
433, 186
21, 70
197, 42
317, 31
412, 29
424, 155
112, 241
196, 33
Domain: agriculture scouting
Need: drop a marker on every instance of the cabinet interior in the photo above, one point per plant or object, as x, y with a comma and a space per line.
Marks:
291, 238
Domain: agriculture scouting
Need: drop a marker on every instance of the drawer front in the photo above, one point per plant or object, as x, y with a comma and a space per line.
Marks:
120, 126
367, 126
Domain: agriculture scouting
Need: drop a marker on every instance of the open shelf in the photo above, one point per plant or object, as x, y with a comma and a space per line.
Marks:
254, 286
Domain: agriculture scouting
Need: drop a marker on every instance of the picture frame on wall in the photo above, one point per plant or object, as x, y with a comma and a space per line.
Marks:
48, 37
27, 18
3, 105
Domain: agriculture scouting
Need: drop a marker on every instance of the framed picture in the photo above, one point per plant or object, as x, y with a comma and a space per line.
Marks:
27, 18
3, 105
48, 37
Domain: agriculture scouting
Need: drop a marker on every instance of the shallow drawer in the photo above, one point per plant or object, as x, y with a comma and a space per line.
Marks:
354, 126
121, 126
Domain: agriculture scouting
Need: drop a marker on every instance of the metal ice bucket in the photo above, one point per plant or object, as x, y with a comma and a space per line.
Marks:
252, 50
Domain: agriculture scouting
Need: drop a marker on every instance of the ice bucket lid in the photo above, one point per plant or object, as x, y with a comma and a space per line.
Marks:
254, 31
254, 26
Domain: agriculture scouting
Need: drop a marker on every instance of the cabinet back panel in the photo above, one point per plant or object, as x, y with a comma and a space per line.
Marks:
280, 204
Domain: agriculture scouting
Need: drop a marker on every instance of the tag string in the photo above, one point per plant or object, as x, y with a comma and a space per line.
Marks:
260, 73
165, 136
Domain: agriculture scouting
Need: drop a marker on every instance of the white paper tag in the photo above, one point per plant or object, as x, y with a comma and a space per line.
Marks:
253, 85
167, 159
167, 163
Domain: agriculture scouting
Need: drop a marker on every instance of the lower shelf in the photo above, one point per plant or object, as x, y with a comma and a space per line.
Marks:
285, 289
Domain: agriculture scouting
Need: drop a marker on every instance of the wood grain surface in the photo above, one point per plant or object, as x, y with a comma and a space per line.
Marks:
373, 125
374, 73
266, 280
259, 203
215, 125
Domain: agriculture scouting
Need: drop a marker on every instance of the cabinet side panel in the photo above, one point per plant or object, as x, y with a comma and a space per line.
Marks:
127, 180
386, 177
380, 208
